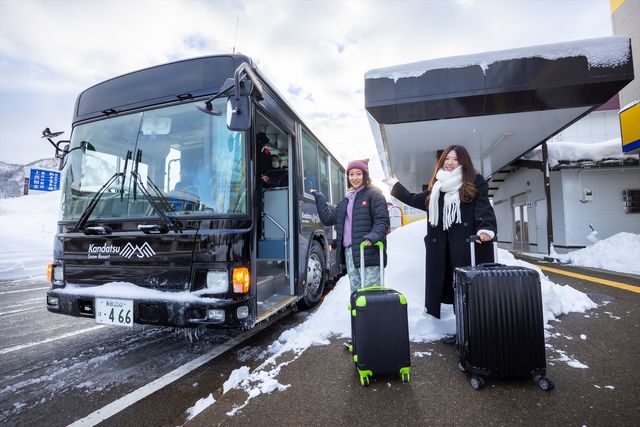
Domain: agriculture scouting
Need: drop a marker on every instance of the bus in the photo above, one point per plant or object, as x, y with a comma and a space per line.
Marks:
166, 216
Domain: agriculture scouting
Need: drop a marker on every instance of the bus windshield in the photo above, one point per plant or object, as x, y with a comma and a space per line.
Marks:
189, 162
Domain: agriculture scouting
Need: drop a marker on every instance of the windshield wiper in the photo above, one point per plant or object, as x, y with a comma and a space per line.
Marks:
167, 223
124, 172
94, 202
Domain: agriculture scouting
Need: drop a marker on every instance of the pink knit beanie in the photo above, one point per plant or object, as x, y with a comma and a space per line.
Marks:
363, 165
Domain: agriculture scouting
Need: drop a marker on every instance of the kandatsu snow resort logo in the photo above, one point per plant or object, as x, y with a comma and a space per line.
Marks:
106, 250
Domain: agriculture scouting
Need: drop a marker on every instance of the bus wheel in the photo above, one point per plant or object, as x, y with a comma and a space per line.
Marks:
315, 276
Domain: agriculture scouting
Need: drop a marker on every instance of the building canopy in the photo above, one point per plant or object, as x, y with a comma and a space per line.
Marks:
499, 105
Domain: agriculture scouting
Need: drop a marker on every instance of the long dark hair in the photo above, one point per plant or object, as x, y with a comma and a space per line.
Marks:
468, 189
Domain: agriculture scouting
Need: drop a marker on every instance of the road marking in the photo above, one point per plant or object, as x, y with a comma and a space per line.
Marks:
135, 396
3, 313
33, 344
23, 290
606, 282
29, 301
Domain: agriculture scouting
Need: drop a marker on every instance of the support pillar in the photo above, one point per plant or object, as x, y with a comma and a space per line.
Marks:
547, 193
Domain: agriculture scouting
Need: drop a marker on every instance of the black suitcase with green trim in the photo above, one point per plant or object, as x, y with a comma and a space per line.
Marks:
379, 329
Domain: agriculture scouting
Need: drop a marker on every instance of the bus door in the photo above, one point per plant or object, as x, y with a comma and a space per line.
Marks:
273, 264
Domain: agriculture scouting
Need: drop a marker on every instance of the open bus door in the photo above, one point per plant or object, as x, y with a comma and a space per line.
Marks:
274, 279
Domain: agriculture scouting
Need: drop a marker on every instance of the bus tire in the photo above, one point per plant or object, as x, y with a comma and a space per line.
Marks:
314, 284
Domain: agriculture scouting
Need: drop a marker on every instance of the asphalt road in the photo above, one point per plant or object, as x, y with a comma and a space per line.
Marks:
55, 370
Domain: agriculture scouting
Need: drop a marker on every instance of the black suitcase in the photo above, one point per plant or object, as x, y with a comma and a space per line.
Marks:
499, 322
379, 329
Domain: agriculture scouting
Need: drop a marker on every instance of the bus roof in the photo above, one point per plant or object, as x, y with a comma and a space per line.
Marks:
171, 82
156, 85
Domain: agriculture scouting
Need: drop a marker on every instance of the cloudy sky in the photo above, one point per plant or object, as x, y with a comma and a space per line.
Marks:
316, 52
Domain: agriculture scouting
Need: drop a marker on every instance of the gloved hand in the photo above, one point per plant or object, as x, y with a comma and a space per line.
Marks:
391, 181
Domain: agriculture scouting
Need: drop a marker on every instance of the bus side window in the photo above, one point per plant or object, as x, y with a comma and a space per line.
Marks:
309, 162
323, 163
337, 183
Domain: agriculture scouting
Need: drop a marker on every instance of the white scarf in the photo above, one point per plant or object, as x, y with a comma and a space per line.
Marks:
448, 183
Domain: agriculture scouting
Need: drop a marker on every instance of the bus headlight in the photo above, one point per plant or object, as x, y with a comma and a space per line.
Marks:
217, 281
54, 272
241, 280
58, 273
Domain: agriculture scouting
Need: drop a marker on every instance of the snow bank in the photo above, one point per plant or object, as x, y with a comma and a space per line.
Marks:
614, 253
200, 406
27, 230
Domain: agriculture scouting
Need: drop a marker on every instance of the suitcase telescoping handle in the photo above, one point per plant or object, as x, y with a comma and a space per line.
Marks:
472, 241
381, 246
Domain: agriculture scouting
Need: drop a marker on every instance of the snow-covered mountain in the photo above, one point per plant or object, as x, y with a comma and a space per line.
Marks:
12, 176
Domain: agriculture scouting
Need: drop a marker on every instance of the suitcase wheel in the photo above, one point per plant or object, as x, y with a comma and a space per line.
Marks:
477, 382
404, 374
364, 380
545, 384
364, 377
461, 367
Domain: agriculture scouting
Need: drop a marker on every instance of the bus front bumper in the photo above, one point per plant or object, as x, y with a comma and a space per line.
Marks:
194, 313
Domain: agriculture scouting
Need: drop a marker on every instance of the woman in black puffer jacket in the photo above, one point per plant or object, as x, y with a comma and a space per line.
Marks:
362, 216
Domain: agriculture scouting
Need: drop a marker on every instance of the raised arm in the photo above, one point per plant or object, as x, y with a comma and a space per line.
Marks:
326, 213
415, 200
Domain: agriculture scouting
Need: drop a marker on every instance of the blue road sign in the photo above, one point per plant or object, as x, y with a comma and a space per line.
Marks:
44, 180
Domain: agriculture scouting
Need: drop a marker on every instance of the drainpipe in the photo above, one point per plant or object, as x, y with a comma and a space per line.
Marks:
547, 194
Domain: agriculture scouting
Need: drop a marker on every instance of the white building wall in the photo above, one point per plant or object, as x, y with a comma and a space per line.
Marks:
596, 127
605, 212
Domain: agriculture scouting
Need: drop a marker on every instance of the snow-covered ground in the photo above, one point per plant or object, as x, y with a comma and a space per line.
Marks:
27, 228
616, 253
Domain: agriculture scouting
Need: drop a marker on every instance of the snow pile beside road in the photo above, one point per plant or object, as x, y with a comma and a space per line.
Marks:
614, 253
556, 299
200, 406
27, 229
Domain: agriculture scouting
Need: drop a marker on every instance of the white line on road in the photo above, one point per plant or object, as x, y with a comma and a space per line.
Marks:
23, 290
144, 391
30, 301
32, 344
3, 313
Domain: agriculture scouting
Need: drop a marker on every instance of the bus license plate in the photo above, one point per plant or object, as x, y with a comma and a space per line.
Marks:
117, 312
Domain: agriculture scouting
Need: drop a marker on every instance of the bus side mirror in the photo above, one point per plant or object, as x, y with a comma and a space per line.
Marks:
60, 153
239, 112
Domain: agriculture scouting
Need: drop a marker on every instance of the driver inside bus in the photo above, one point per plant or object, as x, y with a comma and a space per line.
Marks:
186, 193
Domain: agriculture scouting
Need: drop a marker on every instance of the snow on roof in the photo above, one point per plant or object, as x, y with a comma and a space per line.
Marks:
600, 52
561, 151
